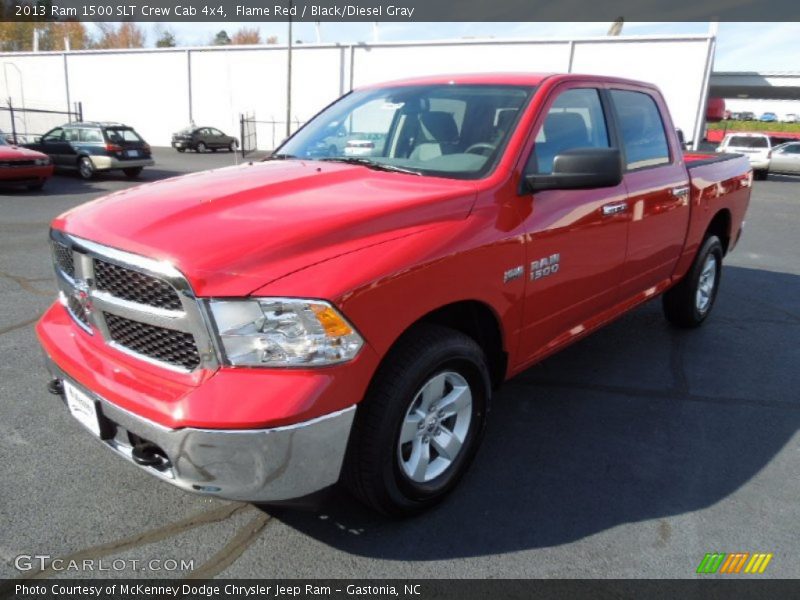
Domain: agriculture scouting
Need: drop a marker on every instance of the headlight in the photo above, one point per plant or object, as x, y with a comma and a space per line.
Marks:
42, 161
284, 332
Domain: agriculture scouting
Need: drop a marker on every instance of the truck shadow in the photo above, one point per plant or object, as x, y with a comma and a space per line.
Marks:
637, 422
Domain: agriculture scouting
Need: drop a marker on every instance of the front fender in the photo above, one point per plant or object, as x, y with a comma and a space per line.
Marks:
386, 288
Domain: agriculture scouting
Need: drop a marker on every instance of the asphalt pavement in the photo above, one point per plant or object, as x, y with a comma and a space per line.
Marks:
630, 454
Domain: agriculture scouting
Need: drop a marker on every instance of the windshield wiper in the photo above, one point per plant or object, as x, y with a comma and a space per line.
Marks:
370, 164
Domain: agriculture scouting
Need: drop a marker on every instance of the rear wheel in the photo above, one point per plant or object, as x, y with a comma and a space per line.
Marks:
201, 147
132, 172
689, 303
421, 422
86, 167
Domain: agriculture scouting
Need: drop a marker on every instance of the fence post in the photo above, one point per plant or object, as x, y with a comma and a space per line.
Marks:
241, 132
13, 123
80, 111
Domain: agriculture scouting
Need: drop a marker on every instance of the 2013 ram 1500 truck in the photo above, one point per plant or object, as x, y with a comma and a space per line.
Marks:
260, 332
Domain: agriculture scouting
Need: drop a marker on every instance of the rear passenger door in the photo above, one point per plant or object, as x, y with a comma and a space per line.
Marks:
658, 190
576, 239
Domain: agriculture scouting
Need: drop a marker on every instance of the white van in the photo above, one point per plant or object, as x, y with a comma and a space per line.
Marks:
757, 147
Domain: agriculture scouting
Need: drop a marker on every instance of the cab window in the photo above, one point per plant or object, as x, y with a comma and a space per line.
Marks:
641, 128
575, 120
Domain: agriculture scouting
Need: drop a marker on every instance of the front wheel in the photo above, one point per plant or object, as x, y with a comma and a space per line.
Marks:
201, 147
689, 303
420, 424
181, 150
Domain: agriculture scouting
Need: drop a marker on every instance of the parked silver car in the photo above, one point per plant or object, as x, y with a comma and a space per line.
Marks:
786, 158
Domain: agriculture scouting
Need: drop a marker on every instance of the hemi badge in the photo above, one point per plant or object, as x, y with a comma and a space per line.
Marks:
513, 274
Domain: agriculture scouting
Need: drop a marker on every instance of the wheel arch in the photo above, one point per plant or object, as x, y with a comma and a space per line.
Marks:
720, 226
477, 320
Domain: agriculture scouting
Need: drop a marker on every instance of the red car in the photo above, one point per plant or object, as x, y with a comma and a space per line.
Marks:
261, 331
20, 166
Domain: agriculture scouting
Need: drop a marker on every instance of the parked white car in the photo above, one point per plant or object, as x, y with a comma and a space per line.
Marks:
757, 147
786, 158
791, 118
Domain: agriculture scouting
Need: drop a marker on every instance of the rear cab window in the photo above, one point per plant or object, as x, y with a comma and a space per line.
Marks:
642, 132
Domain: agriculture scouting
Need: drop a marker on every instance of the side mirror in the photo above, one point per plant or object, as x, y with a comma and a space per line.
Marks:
580, 168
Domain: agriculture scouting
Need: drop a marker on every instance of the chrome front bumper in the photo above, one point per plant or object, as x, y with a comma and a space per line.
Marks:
261, 465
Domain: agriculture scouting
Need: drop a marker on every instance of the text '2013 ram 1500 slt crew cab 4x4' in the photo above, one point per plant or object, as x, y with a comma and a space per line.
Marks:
260, 332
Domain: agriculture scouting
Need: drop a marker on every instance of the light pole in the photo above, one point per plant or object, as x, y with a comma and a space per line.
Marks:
289, 78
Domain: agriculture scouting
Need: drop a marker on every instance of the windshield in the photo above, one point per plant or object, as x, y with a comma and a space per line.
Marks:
740, 141
454, 131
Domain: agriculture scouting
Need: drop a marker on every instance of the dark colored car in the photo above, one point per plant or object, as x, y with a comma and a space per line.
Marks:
91, 147
201, 139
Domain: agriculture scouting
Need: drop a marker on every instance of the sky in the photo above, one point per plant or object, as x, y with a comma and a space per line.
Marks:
740, 46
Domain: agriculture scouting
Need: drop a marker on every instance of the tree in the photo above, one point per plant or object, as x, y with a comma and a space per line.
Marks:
16, 36
127, 35
52, 35
273, 39
246, 35
221, 39
166, 39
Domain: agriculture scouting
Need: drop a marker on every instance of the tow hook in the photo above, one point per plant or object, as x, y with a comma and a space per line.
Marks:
149, 455
55, 387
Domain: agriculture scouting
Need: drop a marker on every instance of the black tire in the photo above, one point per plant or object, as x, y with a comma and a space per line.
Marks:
35, 187
201, 147
213, 149
132, 172
373, 470
760, 174
682, 303
232, 147
181, 150
86, 168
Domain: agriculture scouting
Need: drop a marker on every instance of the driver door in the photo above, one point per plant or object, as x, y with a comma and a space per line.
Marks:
54, 145
576, 239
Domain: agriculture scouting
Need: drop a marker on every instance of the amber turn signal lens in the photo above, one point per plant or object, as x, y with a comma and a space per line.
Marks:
331, 322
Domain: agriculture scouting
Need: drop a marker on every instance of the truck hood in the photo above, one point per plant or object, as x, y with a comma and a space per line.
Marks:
233, 230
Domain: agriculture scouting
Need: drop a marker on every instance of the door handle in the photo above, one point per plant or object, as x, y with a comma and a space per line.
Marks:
614, 208
680, 191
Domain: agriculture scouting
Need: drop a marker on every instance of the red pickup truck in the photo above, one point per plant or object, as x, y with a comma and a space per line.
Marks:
344, 309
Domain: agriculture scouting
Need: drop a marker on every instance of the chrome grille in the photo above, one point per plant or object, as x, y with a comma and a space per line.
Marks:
140, 306
166, 345
76, 310
64, 259
135, 286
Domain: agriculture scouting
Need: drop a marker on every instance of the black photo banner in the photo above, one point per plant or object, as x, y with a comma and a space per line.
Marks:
710, 588
400, 10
